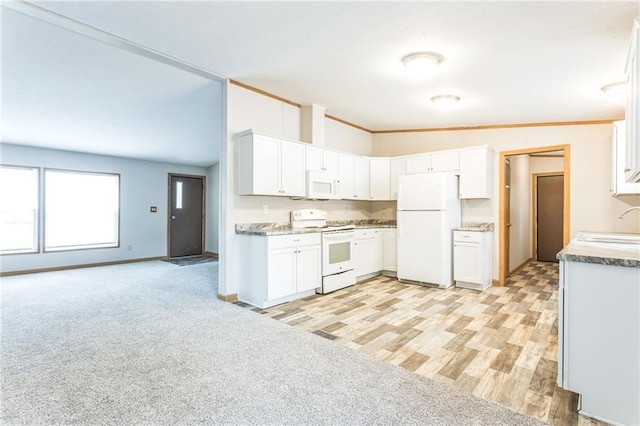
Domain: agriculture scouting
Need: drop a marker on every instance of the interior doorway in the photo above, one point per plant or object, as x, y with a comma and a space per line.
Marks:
186, 215
505, 217
547, 209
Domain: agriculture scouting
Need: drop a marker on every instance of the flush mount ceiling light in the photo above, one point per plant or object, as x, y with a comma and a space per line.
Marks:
422, 61
445, 101
615, 91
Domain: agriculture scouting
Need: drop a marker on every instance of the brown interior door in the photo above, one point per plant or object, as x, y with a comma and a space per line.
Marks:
549, 196
186, 216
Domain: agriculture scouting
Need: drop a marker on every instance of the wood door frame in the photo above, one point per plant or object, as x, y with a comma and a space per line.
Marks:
503, 266
534, 211
204, 208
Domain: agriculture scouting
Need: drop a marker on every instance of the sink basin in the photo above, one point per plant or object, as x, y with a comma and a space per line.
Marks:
610, 238
608, 241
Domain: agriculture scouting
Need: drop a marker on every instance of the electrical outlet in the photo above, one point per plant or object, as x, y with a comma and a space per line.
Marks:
153, 209
265, 209
129, 247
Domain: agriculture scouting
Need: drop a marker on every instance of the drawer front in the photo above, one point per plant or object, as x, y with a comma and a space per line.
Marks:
467, 236
293, 240
363, 234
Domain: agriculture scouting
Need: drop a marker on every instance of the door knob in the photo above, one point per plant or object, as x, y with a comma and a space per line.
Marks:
173, 217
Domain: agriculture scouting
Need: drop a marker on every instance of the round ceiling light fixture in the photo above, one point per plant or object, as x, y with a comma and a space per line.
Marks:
615, 91
422, 61
446, 101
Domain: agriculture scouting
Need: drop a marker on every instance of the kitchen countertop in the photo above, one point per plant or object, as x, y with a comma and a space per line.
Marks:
285, 228
475, 227
600, 253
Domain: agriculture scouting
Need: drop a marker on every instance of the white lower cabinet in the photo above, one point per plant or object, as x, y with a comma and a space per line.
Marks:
364, 255
281, 268
390, 244
598, 329
374, 252
472, 259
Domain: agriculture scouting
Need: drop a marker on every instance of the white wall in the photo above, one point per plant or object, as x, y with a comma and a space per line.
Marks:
142, 184
592, 208
546, 164
249, 110
520, 241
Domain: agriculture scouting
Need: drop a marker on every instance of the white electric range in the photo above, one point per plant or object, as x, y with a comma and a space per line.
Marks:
337, 248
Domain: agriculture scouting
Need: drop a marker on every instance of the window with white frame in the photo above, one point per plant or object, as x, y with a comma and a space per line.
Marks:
18, 209
81, 210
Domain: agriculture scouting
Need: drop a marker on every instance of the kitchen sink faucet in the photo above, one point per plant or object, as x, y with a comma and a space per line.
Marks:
628, 210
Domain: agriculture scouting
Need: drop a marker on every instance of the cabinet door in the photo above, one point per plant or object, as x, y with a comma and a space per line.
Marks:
292, 169
417, 164
475, 173
444, 161
396, 170
632, 109
330, 162
390, 244
361, 179
281, 280
618, 184
266, 165
379, 171
467, 262
314, 158
379, 250
364, 256
308, 264
347, 175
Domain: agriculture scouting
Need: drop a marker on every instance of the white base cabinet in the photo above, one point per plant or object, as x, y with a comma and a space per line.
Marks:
598, 339
282, 268
390, 247
472, 259
374, 252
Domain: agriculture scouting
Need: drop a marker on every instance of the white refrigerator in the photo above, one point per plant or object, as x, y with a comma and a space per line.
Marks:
428, 211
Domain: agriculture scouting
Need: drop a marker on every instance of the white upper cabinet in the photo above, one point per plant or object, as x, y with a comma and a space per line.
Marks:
618, 184
322, 160
354, 177
396, 170
269, 166
361, 180
444, 161
632, 110
347, 167
379, 174
476, 172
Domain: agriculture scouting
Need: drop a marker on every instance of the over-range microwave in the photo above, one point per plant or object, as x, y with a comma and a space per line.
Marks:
322, 186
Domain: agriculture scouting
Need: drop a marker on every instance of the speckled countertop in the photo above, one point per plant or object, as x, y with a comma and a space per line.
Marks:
578, 250
476, 227
285, 228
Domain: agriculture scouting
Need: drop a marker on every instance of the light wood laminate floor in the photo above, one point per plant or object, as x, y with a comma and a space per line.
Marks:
499, 344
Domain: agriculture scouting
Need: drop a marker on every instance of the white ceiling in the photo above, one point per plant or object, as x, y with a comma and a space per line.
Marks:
510, 62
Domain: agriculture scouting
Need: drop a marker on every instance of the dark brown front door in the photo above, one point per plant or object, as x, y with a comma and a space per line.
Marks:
186, 216
549, 195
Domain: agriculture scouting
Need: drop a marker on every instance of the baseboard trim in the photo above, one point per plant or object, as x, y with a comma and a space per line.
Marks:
211, 254
233, 297
86, 265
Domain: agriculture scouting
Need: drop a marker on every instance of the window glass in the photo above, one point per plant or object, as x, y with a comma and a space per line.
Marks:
81, 210
18, 209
